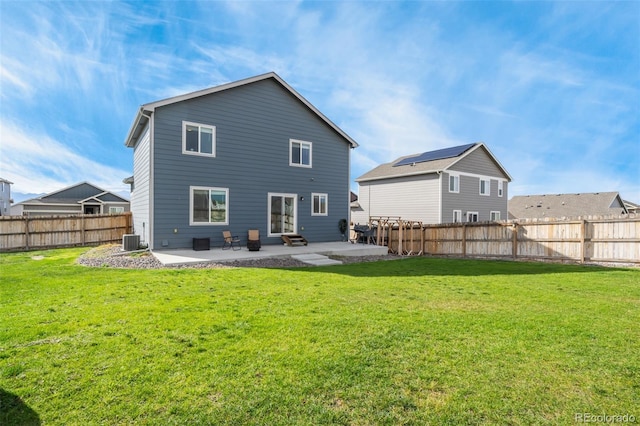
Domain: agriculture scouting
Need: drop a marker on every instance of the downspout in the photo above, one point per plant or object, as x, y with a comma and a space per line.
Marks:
369, 204
349, 192
439, 196
151, 177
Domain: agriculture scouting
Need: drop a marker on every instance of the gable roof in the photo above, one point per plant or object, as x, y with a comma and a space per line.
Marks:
143, 115
566, 205
74, 194
631, 206
428, 162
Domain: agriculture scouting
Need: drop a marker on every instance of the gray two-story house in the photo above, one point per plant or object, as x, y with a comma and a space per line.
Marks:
252, 154
80, 198
5, 197
464, 183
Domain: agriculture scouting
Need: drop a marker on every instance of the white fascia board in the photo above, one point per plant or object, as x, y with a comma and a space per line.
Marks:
493, 157
139, 121
425, 172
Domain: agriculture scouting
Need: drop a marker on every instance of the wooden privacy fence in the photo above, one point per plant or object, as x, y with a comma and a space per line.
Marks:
41, 232
581, 240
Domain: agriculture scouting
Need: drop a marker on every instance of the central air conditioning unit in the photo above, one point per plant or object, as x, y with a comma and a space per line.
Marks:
130, 242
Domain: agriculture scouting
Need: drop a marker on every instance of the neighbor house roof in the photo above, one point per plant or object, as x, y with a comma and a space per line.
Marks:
142, 117
566, 205
76, 194
631, 206
427, 162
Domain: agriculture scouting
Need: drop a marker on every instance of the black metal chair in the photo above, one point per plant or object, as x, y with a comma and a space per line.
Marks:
230, 241
365, 233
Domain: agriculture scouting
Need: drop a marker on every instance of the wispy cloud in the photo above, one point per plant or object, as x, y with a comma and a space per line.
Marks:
559, 95
37, 163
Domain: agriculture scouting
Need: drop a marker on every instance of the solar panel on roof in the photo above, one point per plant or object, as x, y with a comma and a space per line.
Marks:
438, 154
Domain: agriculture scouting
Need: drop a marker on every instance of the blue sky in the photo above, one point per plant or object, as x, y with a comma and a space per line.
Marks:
552, 88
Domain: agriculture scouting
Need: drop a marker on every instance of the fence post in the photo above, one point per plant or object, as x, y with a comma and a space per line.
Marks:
423, 236
82, 230
514, 240
464, 240
583, 246
26, 232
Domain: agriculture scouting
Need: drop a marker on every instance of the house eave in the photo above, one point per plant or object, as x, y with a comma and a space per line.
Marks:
424, 172
493, 157
139, 123
141, 120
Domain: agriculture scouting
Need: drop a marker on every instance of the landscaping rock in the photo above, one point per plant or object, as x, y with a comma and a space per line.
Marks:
112, 256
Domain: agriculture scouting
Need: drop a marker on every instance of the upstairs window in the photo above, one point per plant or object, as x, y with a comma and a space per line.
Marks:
500, 188
454, 183
198, 139
319, 204
484, 186
299, 153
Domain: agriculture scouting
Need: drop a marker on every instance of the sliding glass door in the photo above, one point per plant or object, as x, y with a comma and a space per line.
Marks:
282, 214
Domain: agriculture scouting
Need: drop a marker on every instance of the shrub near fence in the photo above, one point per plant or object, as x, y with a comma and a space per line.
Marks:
42, 232
612, 239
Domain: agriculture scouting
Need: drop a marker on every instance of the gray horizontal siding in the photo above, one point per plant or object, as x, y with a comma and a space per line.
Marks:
141, 188
254, 124
479, 162
469, 199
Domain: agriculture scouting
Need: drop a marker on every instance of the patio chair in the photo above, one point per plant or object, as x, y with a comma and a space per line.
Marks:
230, 241
253, 240
365, 234
353, 235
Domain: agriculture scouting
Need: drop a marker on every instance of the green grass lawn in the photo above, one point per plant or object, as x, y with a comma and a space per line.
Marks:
412, 341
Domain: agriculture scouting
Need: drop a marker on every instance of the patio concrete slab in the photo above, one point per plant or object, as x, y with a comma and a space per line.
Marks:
217, 255
316, 259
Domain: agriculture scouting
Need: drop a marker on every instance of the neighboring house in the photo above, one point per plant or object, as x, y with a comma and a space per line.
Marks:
631, 207
5, 197
566, 205
459, 184
81, 198
252, 154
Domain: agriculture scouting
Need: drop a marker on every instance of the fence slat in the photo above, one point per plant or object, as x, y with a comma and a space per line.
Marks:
604, 239
43, 232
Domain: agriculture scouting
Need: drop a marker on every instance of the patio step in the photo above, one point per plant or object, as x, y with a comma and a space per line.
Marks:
294, 240
315, 259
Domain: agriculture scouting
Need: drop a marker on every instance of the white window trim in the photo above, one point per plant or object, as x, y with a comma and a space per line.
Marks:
495, 213
295, 213
500, 188
472, 213
457, 179
487, 187
116, 210
326, 204
459, 212
291, 163
184, 139
208, 188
